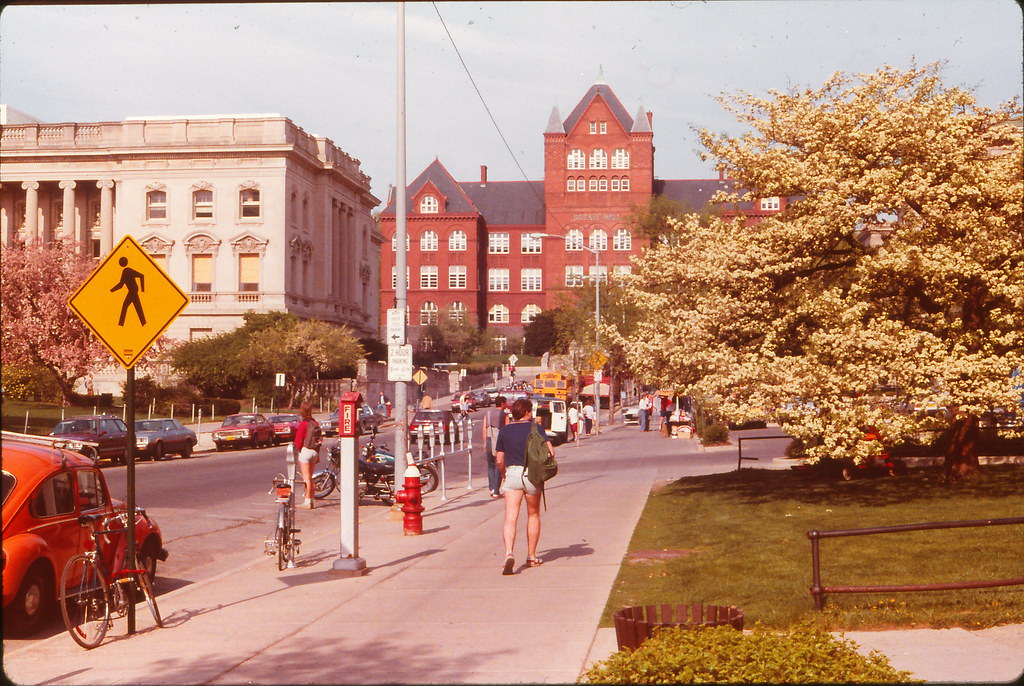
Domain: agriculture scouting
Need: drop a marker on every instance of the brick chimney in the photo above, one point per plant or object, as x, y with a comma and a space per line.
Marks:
483, 174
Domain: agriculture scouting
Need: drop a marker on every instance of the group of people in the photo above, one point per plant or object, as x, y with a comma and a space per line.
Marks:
652, 405
575, 414
506, 431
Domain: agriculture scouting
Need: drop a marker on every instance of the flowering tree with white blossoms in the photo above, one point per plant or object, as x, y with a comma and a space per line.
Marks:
898, 265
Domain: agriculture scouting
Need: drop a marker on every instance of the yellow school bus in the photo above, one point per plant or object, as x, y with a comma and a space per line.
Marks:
553, 384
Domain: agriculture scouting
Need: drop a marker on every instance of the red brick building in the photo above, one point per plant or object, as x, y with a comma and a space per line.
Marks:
472, 250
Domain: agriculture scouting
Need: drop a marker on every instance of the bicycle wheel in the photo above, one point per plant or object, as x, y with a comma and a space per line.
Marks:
85, 601
282, 536
147, 590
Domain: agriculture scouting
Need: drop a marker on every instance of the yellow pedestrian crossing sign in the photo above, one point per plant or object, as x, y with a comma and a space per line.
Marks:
128, 301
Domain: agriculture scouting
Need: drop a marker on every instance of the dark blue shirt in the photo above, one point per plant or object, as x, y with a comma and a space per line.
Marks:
512, 441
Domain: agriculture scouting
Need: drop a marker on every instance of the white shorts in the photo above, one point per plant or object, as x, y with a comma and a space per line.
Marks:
515, 480
307, 455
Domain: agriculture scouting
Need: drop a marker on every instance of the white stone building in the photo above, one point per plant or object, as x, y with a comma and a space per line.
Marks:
245, 212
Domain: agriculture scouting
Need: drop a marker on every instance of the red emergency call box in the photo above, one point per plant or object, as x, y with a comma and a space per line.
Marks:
348, 413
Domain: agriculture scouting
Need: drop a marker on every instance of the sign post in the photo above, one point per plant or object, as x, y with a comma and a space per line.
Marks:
128, 302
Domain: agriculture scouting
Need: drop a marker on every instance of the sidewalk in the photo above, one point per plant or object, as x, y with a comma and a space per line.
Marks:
435, 608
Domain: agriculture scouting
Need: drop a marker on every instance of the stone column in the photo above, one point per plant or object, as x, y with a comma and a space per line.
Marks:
31, 189
106, 187
69, 227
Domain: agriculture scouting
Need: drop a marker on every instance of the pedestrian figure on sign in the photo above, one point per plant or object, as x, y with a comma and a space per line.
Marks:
134, 283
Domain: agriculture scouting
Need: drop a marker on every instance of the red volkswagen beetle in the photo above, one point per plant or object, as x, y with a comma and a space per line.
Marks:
45, 490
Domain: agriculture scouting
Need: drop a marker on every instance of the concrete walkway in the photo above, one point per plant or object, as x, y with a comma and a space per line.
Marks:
435, 608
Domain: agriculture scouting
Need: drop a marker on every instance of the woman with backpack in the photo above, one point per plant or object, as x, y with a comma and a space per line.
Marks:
308, 437
510, 456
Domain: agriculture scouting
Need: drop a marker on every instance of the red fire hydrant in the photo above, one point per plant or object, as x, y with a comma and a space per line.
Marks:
411, 498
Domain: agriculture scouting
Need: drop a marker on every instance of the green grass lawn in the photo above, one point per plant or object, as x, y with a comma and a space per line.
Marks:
741, 539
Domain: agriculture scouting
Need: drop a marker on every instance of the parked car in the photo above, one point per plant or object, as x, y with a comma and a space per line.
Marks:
369, 419
444, 423
480, 399
284, 426
631, 415
245, 429
45, 490
107, 432
155, 438
330, 425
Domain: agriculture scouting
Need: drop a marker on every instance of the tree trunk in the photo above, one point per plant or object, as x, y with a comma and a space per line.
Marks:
962, 451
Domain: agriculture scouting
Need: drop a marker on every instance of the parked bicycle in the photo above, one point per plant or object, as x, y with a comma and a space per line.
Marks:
90, 594
283, 542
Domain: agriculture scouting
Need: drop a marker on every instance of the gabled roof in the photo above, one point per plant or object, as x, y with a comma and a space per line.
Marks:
695, 194
508, 202
603, 91
457, 201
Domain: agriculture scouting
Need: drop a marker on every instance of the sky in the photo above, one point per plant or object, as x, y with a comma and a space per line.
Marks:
332, 67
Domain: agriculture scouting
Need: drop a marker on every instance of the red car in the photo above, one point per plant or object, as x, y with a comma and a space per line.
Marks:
284, 426
246, 429
45, 490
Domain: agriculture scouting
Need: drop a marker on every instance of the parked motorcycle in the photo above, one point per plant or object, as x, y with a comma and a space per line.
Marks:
376, 473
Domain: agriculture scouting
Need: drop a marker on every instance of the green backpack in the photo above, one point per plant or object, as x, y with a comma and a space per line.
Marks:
540, 465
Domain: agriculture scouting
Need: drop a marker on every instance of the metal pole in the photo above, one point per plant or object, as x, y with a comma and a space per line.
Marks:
129, 456
597, 341
401, 285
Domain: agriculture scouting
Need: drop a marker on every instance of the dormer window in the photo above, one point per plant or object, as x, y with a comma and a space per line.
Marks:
769, 204
428, 205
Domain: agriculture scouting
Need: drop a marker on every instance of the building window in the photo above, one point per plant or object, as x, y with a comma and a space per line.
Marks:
623, 240
598, 159
573, 276
394, 242
620, 159
593, 127
602, 183
457, 276
576, 160
498, 314
598, 272
615, 183
249, 272
394, 284
457, 241
428, 313
530, 244
622, 270
428, 276
428, 205
574, 240
457, 312
625, 183
570, 185
497, 279
156, 205
593, 183
769, 204
604, 127
160, 259
598, 240
531, 279
202, 273
529, 313
497, 243
249, 201
428, 241
202, 204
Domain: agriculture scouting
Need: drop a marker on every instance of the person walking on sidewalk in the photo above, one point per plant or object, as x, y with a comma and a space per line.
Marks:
644, 412
494, 419
510, 454
588, 417
574, 421
308, 437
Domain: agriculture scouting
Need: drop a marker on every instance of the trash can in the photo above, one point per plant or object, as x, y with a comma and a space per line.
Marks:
633, 625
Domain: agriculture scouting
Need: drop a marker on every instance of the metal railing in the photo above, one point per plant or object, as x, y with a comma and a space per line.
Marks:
427, 440
739, 463
819, 592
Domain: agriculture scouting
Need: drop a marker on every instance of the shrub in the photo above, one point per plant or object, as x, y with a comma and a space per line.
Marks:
724, 655
715, 434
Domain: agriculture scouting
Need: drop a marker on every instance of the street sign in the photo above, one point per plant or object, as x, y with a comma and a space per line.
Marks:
597, 359
420, 377
513, 358
399, 363
279, 380
395, 334
128, 301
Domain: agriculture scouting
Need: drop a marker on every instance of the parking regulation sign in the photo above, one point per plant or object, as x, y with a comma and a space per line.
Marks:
128, 301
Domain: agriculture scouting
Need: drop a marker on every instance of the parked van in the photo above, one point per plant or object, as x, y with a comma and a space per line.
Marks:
554, 417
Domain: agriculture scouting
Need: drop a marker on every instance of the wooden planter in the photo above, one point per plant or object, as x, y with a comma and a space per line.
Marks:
633, 625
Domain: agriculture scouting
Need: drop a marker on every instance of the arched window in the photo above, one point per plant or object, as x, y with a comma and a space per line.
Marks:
625, 183
457, 240
428, 313
623, 240
570, 184
530, 313
428, 241
602, 183
620, 159
573, 240
576, 160
428, 205
202, 204
593, 183
598, 159
156, 205
457, 311
598, 240
498, 314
